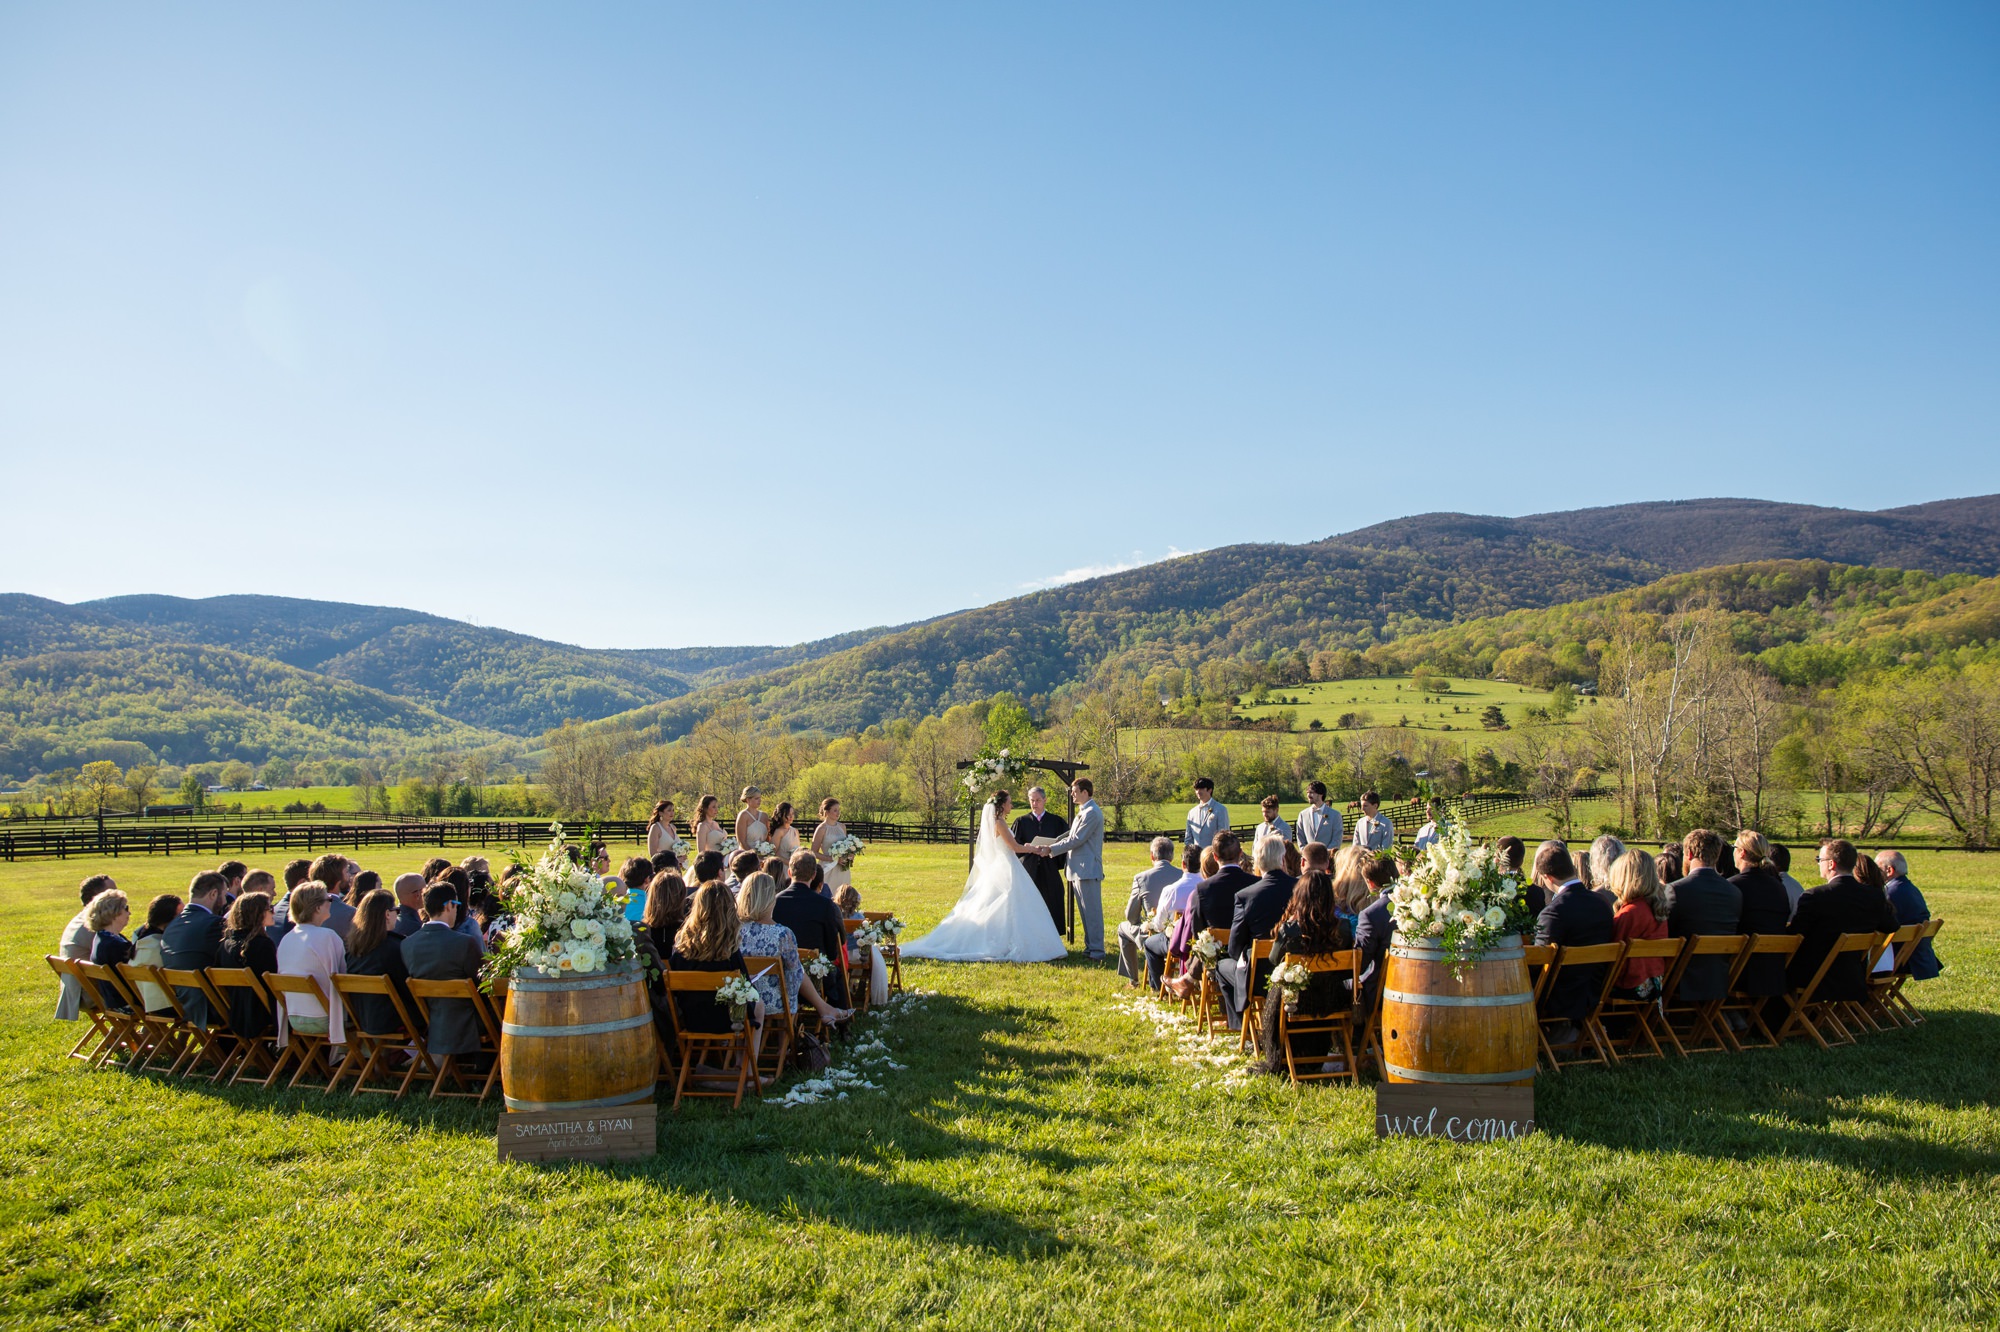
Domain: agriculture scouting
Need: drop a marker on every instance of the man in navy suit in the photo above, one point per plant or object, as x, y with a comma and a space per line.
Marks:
1576, 918
192, 941
1374, 928
1841, 905
1256, 913
1214, 903
1911, 909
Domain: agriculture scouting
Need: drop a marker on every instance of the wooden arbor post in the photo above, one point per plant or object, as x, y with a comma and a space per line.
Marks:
1062, 768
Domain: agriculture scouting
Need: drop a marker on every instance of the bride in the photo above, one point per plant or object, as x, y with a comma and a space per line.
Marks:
1000, 917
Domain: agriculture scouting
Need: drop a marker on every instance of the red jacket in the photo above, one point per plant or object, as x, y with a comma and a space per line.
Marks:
1635, 920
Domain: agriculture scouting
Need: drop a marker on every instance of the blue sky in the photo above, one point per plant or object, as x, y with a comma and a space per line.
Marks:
668, 325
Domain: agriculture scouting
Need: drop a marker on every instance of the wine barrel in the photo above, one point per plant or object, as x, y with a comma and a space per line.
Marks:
1438, 1028
577, 1042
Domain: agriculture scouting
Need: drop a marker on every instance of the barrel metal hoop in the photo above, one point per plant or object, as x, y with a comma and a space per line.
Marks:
1420, 954
1425, 1075
564, 985
596, 1103
576, 1029
1457, 1001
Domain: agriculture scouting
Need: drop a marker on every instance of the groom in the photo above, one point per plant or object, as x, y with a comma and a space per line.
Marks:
1085, 848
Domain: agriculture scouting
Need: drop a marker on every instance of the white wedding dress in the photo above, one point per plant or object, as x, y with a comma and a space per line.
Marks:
999, 918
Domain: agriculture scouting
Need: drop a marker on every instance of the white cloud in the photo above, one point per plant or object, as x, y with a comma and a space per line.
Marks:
1078, 575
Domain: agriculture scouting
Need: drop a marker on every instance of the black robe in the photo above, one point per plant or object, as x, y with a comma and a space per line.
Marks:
1046, 871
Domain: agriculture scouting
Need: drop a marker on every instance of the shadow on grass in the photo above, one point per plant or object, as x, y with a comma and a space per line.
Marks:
1874, 1107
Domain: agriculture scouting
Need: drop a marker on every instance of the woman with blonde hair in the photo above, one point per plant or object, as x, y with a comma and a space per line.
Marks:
1351, 889
750, 821
107, 916
708, 834
761, 936
1767, 909
311, 948
1635, 881
709, 940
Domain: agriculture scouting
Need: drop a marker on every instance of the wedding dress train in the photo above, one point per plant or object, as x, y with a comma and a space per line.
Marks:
999, 918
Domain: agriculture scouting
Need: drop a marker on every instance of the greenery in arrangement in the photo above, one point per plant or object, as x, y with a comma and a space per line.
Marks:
1041, 1160
1457, 899
565, 920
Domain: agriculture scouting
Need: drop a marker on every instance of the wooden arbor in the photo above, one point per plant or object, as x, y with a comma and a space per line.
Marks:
1062, 768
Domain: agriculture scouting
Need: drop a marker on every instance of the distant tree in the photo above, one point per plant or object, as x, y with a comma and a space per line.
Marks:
1492, 718
1562, 700
141, 781
237, 774
100, 786
1009, 725
194, 791
280, 772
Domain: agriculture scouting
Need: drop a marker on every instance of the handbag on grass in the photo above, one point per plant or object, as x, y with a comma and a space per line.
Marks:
810, 1053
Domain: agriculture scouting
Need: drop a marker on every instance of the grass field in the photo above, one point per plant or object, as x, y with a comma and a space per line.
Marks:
1385, 700
333, 797
1042, 1163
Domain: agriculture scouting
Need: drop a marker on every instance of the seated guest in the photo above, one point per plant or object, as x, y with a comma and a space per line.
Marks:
1911, 909
1511, 854
666, 910
1841, 905
107, 915
1148, 885
232, 872
259, 881
1604, 853
1272, 824
773, 866
437, 865
1575, 917
463, 922
437, 951
1174, 900
78, 939
409, 904
478, 875
375, 949
708, 942
246, 944
761, 936
1374, 927
146, 951
1311, 927
636, 873
1214, 905
1767, 909
1703, 902
311, 948
741, 866
1781, 860
1870, 874
335, 874
848, 898
709, 867
1257, 911
193, 942
1669, 866
296, 872
1635, 883
813, 919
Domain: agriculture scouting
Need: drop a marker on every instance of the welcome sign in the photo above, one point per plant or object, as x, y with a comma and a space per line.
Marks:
1458, 1113
620, 1133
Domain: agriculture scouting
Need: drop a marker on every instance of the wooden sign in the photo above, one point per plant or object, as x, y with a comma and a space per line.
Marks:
618, 1133
1460, 1113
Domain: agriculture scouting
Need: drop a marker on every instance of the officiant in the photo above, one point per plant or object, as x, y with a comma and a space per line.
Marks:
1046, 871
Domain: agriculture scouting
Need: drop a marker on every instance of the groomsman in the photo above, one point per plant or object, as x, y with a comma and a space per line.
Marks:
1319, 822
1372, 830
1208, 818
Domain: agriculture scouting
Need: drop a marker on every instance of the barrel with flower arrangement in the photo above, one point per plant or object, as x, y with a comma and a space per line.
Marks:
1457, 1008
577, 1034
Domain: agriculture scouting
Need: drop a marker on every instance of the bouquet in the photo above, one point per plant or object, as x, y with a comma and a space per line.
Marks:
844, 849
562, 919
819, 969
765, 849
1290, 977
865, 936
729, 848
887, 930
1456, 898
1208, 950
992, 771
677, 847
739, 994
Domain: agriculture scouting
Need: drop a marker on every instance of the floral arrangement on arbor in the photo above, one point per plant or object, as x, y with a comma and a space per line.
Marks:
566, 920
844, 849
1290, 977
989, 773
1456, 898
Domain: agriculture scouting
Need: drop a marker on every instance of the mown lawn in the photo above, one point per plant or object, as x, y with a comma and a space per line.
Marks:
1043, 1162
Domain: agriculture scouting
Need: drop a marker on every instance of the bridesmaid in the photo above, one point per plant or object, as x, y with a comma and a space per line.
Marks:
708, 834
750, 820
830, 830
659, 829
783, 837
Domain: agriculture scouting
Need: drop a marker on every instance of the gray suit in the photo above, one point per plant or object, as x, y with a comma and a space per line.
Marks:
442, 953
1085, 848
1321, 825
1147, 885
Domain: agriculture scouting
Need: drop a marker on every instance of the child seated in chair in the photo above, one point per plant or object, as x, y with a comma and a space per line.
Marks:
848, 900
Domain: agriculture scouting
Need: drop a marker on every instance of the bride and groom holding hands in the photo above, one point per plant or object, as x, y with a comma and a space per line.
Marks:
1002, 915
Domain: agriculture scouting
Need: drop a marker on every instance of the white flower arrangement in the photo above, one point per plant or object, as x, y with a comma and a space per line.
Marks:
765, 849
1207, 949
887, 930
1456, 898
564, 920
739, 994
819, 969
729, 848
993, 771
866, 935
677, 846
844, 849
1290, 977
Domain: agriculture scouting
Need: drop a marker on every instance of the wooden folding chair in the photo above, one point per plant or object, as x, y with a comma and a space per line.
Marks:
732, 1046
784, 1021
95, 1032
306, 1051
1589, 1028
1338, 1024
1750, 1007
1171, 970
215, 1043
1704, 1028
892, 954
155, 1031
121, 1030
1642, 1013
427, 992
1807, 1012
855, 966
1251, 1035
251, 1054
1892, 998
366, 1050
1874, 1008
1206, 1001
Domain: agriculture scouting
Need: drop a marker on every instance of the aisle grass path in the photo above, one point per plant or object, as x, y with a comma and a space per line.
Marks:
1042, 1163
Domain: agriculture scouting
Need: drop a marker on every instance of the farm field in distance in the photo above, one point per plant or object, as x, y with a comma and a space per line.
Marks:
1385, 700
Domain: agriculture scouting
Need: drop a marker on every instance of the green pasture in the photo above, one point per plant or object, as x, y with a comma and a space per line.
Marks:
1043, 1162
333, 797
1386, 700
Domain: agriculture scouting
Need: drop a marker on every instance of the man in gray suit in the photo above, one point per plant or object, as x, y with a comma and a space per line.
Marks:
439, 952
1147, 885
1085, 848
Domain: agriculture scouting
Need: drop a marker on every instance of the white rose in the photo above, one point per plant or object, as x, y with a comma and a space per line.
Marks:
582, 959
1467, 918
565, 963
566, 899
1495, 917
581, 929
